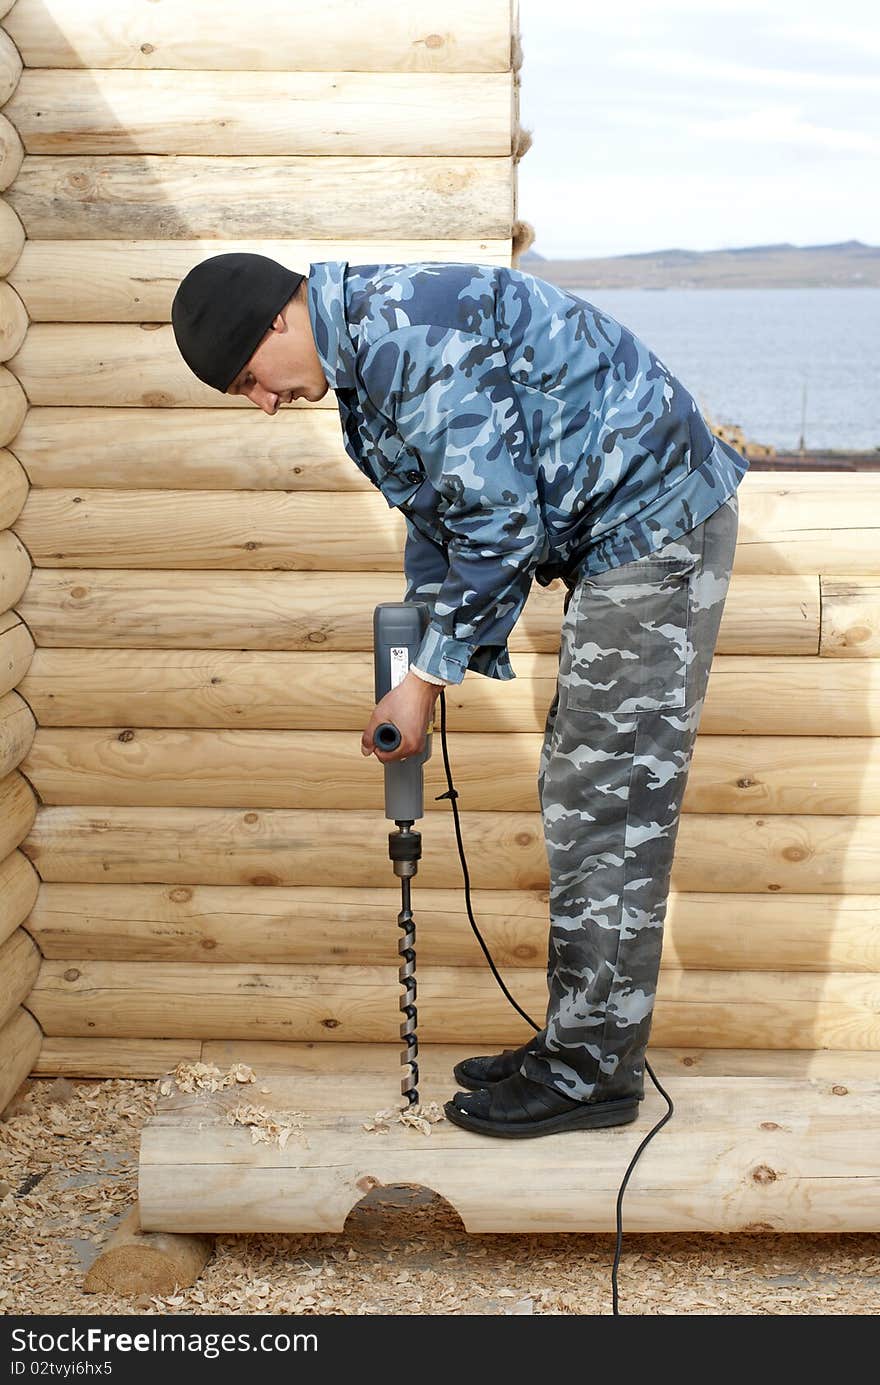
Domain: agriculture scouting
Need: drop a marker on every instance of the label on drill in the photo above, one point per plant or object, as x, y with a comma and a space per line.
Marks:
399, 664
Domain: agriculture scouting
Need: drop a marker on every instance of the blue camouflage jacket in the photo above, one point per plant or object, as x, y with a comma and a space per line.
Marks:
523, 433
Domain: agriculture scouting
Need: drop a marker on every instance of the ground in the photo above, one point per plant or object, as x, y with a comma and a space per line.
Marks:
68, 1174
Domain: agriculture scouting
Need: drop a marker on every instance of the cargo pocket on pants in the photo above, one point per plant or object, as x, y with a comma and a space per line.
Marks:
629, 637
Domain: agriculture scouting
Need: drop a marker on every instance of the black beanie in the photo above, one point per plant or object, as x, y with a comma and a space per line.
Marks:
222, 310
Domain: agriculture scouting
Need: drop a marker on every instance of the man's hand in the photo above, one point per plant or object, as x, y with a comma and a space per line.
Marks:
409, 706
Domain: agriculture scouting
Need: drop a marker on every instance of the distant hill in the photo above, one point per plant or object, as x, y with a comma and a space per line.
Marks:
847, 264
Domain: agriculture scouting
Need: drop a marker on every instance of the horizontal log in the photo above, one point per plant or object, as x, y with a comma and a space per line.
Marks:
785, 1154
17, 727
14, 404
319, 1065
19, 885
133, 1261
11, 152
121, 363
289, 846
13, 319
709, 1009
332, 612
178, 530
325, 769
747, 694
18, 809
197, 449
16, 650
850, 618
13, 488
104, 280
15, 568
368, 37
20, 1040
68, 197
139, 1058
313, 924
19, 965
118, 363
208, 113
11, 237
313, 1063
321, 529
203, 450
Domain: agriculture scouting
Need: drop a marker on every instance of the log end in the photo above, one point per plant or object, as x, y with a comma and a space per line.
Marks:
147, 1262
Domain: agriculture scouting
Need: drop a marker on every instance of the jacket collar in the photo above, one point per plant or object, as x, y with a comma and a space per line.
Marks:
333, 341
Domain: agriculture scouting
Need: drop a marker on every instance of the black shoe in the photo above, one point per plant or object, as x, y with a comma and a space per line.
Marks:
518, 1108
478, 1073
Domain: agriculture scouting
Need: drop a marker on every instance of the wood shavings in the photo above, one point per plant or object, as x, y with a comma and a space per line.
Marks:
207, 1077
50, 1234
267, 1127
420, 1117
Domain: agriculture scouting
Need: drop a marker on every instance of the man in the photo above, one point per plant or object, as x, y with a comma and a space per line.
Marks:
525, 435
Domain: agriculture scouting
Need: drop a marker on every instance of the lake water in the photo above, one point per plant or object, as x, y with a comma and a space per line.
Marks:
746, 354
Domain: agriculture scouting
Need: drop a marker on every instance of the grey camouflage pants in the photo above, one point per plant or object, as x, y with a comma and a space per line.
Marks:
635, 653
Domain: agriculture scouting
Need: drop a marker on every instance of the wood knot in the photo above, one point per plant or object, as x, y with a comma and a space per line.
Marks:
523, 838
770, 1125
215, 679
330, 1024
252, 544
147, 48
523, 951
251, 817
181, 894
71, 974
840, 1091
764, 1174
434, 41
79, 591
317, 637
745, 782
209, 944
265, 880
688, 1062
125, 736
795, 853
758, 1226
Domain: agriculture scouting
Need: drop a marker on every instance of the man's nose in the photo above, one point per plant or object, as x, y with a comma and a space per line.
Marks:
265, 399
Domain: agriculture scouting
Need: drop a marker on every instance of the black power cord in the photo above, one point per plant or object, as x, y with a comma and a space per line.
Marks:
452, 795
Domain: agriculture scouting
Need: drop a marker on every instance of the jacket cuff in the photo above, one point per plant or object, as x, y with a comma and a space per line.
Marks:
445, 657
427, 677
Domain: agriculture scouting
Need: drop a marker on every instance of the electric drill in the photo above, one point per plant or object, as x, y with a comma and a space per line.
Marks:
398, 630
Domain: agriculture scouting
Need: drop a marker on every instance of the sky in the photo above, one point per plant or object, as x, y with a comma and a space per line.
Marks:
699, 124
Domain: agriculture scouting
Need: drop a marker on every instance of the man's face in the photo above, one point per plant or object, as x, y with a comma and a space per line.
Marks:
286, 364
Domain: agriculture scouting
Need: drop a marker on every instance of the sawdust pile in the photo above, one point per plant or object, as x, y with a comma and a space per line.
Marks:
204, 1077
267, 1127
420, 1117
68, 1174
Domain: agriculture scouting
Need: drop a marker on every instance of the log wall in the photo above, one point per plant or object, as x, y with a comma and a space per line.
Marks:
20, 1033
185, 658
